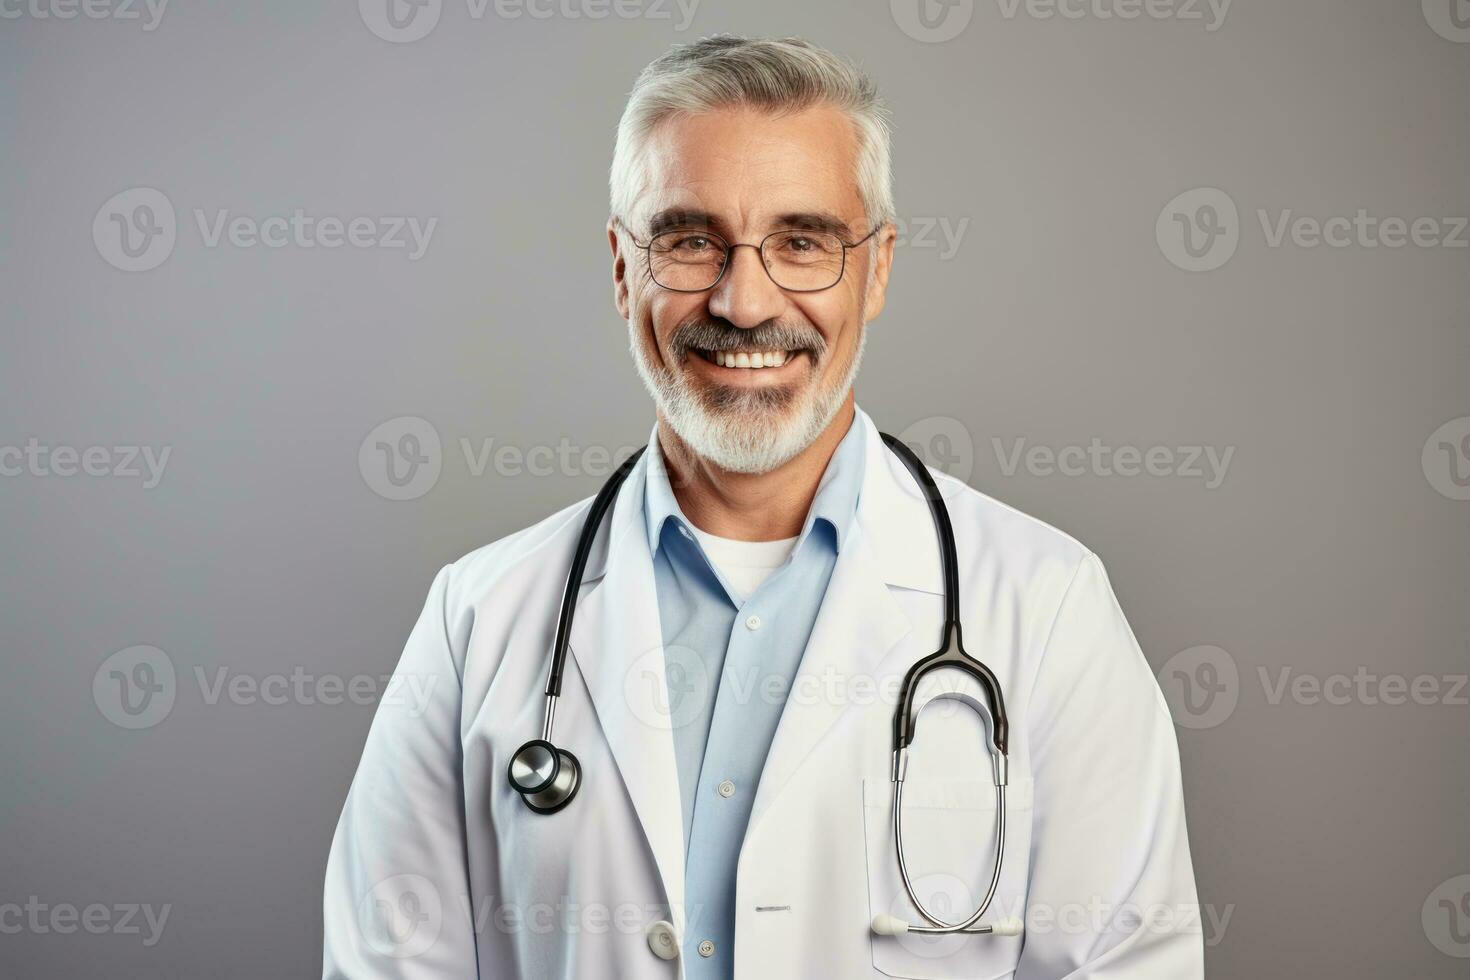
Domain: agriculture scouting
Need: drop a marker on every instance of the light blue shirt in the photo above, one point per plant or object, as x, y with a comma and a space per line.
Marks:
729, 664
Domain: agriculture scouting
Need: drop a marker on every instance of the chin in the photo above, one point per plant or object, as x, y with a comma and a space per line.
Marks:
752, 431
772, 404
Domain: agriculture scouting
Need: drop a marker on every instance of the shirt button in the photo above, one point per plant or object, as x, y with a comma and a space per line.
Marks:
661, 940
752, 622
727, 789
706, 948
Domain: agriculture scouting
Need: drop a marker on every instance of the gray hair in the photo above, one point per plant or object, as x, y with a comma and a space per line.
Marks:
779, 75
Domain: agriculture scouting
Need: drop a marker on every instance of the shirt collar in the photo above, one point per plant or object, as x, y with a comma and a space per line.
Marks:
835, 501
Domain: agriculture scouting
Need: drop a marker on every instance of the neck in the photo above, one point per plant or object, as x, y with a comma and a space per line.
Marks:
751, 506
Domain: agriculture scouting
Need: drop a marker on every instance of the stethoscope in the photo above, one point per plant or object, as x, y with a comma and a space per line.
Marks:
547, 778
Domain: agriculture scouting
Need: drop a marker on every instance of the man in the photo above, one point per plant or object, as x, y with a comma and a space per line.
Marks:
766, 575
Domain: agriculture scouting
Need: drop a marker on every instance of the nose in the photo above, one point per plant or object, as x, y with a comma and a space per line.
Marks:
745, 294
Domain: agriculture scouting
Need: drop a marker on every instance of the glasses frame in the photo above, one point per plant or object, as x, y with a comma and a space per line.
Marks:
730, 248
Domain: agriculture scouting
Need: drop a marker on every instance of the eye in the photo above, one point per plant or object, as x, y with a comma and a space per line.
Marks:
801, 244
687, 243
693, 243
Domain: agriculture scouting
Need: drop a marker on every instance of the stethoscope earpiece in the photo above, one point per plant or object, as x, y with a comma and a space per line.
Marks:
892, 925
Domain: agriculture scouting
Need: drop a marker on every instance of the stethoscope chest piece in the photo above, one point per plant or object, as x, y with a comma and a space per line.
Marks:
546, 777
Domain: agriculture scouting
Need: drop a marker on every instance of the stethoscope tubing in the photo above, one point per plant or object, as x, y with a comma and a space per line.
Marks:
541, 771
590, 525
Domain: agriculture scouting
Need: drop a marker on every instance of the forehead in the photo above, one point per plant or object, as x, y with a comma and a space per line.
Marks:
746, 166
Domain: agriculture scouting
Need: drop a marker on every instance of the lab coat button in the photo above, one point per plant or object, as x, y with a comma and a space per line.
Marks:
706, 948
662, 941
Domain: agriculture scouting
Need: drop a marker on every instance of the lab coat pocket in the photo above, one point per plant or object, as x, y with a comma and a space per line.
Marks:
949, 846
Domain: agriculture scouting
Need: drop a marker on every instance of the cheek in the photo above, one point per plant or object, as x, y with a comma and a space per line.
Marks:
838, 317
665, 311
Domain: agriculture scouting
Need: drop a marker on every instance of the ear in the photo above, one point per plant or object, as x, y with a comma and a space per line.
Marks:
620, 269
881, 254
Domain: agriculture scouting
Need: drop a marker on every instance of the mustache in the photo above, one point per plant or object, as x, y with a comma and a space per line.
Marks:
713, 335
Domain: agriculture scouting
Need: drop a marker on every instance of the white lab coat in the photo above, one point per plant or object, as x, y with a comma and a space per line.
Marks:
438, 870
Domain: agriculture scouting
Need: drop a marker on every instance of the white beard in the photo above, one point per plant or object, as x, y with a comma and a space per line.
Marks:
748, 438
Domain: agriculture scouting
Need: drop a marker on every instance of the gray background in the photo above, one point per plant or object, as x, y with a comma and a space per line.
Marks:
1059, 318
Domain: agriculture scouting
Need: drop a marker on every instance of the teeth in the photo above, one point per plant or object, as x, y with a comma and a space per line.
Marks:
750, 359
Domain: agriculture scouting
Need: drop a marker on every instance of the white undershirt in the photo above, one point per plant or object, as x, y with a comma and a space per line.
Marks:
744, 564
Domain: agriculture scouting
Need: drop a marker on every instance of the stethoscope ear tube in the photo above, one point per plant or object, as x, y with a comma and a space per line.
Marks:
937, 925
951, 653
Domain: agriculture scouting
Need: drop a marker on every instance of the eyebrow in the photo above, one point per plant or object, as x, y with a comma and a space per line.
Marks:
672, 218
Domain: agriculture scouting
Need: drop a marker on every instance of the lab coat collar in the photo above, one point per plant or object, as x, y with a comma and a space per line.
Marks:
891, 512
834, 502
895, 518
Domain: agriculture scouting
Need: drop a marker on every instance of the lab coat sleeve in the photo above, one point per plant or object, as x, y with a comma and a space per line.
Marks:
394, 900
1111, 892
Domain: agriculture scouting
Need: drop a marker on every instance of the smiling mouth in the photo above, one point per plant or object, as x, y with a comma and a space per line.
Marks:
749, 358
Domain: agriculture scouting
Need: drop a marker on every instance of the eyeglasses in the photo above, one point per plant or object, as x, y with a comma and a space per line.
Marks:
690, 261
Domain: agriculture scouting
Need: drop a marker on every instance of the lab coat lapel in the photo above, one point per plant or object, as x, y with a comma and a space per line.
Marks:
860, 622
617, 644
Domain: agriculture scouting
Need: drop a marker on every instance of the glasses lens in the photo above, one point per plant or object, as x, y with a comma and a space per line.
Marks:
803, 260
688, 260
